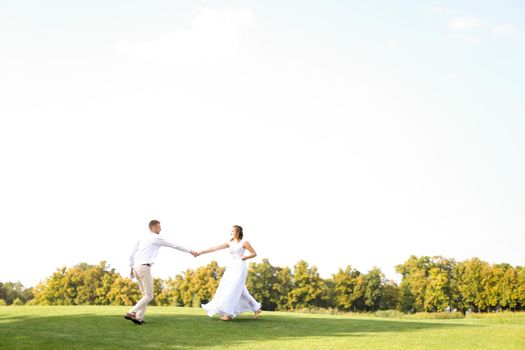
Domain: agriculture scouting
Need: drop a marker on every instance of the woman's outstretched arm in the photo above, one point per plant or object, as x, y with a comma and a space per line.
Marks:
212, 249
249, 248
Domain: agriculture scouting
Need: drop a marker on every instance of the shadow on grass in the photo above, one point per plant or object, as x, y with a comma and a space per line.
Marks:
89, 331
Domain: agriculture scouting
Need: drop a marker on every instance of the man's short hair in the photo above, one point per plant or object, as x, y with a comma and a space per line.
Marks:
153, 223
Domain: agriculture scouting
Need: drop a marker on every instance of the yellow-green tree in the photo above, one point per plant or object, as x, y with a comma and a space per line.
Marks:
196, 287
10, 291
283, 287
309, 291
347, 293
263, 284
81, 284
438, 292
374, 289
171, 294
123, 291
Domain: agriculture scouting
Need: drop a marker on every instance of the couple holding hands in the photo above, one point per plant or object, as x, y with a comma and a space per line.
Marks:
231, 297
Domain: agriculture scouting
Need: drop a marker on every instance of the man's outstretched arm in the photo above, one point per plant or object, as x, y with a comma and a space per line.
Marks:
166, 243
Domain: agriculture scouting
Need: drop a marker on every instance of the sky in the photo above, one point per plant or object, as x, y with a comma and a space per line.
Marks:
338, 132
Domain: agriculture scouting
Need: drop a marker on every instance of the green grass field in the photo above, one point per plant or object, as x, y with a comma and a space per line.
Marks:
101, 327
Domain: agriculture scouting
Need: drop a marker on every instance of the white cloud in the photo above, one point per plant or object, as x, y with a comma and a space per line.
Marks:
468, 39
503, 30
214, 35
437, 10
470, 30
464, 23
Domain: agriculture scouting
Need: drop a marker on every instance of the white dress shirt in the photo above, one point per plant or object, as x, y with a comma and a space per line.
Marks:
146, 249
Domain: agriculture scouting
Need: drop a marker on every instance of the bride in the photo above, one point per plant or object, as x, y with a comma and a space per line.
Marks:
232, 297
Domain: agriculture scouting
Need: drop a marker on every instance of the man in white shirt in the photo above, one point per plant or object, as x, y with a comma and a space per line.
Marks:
140, 261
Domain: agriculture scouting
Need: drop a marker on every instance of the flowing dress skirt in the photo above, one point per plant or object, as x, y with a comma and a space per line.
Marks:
232, 297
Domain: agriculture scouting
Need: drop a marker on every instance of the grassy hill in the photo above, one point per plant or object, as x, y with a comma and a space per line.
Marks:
103, 327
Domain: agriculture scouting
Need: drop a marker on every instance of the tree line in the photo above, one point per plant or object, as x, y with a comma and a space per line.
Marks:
428, 284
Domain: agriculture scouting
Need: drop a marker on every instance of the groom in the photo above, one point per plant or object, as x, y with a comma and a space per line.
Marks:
140, 261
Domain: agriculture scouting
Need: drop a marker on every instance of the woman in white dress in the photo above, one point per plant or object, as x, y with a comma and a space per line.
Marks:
232, 297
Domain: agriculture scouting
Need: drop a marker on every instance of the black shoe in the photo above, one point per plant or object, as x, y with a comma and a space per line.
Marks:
132, 318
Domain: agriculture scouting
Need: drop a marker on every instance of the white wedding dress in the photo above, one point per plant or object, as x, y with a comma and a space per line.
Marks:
232, 297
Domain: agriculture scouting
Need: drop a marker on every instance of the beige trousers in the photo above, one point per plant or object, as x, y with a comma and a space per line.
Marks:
143, 275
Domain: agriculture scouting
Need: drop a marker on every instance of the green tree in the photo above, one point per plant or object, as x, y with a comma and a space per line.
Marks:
391, 296
283, 287
81, 284
185, 287
198, 287
520, 289
123, 291
373, 289
309, 290
470, 275
262, 283
427, 283
10, 291
438, 292
406, 299
508, 288
346, 291
171, 294
414, 273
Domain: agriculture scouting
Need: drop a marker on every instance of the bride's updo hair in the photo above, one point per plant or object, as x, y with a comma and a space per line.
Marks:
239, 231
